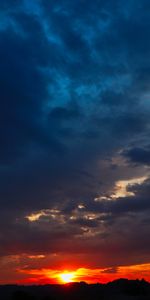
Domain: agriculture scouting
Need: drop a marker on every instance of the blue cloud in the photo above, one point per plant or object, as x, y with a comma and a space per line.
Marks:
74, 82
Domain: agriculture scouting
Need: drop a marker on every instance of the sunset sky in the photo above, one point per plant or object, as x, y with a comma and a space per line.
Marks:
74, 140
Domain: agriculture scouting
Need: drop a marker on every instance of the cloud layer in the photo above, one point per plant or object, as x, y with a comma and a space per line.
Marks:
74, 131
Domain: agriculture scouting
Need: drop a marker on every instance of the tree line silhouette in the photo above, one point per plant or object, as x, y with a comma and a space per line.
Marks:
121, 289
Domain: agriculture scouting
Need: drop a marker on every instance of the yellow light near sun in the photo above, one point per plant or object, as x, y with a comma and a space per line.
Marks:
67, 277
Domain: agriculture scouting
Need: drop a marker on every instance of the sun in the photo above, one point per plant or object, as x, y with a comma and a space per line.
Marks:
67, 277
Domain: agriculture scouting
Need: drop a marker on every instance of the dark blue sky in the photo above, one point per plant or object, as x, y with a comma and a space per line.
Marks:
74, 132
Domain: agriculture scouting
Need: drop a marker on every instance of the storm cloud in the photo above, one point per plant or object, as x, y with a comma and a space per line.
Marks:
74, 129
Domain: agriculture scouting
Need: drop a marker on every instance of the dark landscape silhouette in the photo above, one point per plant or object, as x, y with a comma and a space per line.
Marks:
121, 289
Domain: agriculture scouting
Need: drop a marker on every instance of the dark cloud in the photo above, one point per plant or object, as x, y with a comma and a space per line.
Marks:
21, 91
9, 4
74, 103
63, 113
138, 155
110, 270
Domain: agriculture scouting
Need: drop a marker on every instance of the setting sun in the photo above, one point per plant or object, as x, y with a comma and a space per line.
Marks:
67, 277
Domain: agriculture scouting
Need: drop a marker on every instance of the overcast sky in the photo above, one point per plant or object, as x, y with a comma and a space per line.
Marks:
74, 136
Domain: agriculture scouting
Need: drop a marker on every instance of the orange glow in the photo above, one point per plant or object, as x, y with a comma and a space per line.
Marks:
67, 277
45, 276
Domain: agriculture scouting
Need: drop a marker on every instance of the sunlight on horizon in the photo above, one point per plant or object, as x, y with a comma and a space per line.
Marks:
67, 277
87, 275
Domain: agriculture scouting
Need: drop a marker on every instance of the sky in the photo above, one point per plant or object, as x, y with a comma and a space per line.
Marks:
74, 140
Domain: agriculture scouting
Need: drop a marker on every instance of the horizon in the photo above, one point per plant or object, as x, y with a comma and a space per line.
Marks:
87, 276
71, 283
74, 140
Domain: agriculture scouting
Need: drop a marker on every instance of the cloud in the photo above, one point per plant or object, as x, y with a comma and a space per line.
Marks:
74, 121
110, 270
138, 155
